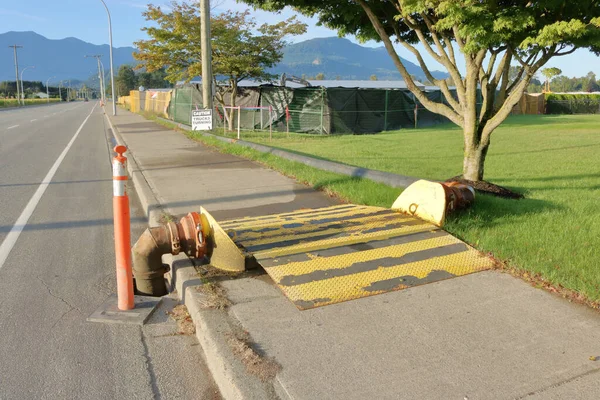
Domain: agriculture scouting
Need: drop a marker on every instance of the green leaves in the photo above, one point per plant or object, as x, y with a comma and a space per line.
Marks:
240, 48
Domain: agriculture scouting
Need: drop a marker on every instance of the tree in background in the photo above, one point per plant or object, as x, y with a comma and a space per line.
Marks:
490, 35
153, 80
320, 76
550, 73
126, 80
240, 48
373, 77
591, 85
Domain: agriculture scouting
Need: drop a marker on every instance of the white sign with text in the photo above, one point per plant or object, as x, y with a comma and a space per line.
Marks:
201, 120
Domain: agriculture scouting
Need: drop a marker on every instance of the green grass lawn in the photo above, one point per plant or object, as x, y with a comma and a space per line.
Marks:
553, 160
6, 103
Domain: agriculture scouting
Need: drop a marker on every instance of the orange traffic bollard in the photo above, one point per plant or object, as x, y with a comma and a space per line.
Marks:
125, 300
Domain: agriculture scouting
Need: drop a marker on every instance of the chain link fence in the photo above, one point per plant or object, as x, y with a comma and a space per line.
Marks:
315, 110
573, 103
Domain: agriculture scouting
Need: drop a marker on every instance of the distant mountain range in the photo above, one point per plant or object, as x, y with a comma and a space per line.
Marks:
337, 57
334, 57
64, 58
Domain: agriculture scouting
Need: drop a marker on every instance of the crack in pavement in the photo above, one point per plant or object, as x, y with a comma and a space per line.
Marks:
559, 384
49, 289
149, 368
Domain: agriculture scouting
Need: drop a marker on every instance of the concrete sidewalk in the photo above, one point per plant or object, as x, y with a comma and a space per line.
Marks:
482, 336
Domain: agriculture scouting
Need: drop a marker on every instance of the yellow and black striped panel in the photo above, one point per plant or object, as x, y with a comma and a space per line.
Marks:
333, 254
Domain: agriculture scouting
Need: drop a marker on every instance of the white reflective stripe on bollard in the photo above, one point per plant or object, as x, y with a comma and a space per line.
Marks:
118, 188
118, 169
119, 178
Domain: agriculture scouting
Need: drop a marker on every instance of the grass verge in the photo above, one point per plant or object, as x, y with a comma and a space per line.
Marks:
9, 103
550, 239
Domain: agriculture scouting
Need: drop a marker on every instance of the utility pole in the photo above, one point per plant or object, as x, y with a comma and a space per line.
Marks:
47, 89
112, 75
100, 76
206, 55
15, 47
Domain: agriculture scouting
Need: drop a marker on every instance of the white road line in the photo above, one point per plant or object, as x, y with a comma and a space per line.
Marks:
15, 232
33, 120
11, 127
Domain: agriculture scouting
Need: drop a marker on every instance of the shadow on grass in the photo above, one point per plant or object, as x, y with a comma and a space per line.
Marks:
524, 120
558, 178
490, 212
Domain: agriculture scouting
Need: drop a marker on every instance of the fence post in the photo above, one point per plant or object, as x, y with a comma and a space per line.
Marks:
175, 105
416, 111
224, 121
322, 108
270, 123
385, 113
262, 122
239, 120
192, 105
287, 120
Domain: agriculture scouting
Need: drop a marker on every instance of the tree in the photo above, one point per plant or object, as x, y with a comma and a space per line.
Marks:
320, 76
240, 48
126, 80
550, 73
373, 77
490, 35
153, 80
592, 85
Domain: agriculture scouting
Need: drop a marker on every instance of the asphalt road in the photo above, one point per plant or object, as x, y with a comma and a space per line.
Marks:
57, 267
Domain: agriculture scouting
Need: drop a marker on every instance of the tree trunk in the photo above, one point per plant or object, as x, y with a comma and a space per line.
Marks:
474, 161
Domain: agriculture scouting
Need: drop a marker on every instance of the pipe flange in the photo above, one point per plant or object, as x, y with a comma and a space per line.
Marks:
195, 242
175, 242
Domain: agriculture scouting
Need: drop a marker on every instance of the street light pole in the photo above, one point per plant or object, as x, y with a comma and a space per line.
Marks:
47, 89
22, 90
15, 47
112, 75
100, 77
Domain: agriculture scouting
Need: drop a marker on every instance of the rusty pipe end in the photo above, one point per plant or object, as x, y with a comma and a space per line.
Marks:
190, 235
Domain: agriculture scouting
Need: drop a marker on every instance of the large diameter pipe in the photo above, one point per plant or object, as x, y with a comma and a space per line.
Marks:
148, 268
172, 238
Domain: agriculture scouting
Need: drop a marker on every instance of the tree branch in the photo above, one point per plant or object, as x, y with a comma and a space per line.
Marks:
515, 95
442, 57
437, 82
432, 106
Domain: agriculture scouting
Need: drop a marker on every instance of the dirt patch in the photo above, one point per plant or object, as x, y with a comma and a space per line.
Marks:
488, 188
185, 325
264, 368
215, 297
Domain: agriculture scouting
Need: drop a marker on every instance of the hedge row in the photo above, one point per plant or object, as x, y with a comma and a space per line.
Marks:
572, 103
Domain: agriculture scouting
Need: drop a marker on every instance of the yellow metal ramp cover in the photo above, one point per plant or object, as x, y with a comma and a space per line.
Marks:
333, 254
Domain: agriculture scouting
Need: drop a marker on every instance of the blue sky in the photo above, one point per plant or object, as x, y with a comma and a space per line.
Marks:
86, 20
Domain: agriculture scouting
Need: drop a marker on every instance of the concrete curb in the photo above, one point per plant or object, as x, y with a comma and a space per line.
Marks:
213, 327
150, 204
393, 180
